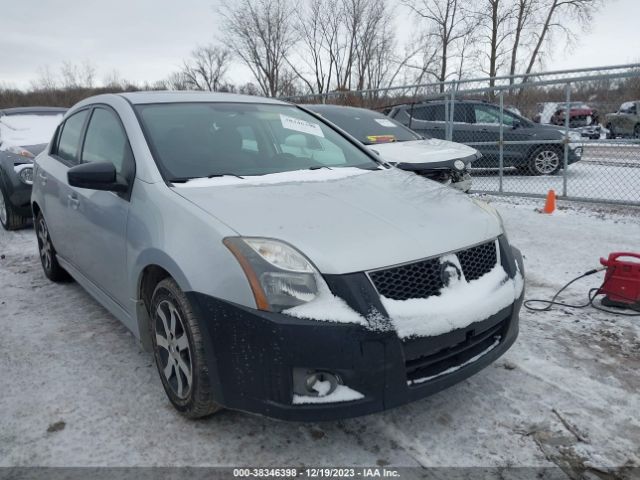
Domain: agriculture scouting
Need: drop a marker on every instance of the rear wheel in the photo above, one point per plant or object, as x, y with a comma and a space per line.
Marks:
9, 219
636, 132
50, 265
545, 161
179, 351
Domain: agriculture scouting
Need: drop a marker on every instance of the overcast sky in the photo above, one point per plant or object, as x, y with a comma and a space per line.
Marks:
145, 40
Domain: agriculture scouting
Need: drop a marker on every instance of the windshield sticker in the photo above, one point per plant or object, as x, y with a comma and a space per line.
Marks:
381, 138
298, 125
385, 123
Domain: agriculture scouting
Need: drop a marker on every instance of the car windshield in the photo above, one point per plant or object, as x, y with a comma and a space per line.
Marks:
195, 140
27, 129
367, 126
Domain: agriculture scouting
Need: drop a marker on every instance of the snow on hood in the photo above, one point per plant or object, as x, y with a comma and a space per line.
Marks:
457, 306
24, 130
426, 151
352, 224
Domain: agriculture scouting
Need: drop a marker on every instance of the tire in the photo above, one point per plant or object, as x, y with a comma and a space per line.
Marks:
636, 132
545, 160
52, 269
9, 219
611, 135
179, 351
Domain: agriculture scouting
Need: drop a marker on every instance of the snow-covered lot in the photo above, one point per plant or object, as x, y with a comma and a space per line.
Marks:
77, 390
606, 172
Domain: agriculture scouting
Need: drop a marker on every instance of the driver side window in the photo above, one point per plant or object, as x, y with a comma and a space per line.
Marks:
489, 115
106, 141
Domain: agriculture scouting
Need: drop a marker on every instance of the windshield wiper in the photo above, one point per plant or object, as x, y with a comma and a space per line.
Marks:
318, 167
225, 175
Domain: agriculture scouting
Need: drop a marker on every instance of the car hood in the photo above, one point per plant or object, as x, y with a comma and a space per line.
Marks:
429, 152
353, 224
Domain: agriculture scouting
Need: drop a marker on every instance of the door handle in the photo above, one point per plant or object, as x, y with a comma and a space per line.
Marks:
74, 202
43, 177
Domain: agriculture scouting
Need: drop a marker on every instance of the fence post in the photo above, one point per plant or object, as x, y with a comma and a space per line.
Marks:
567, 124
501, 149
453, 106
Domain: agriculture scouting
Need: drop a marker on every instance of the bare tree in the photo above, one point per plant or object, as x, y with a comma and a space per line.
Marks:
447, 24
46, 80
206, 68
552, 10
494, 31
523, 12
260, 33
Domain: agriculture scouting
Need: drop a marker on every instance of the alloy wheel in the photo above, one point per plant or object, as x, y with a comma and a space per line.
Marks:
546, 162
173, 349
44, 245
3, 210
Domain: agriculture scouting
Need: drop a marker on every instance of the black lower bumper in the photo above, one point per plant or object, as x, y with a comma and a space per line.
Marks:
252, 354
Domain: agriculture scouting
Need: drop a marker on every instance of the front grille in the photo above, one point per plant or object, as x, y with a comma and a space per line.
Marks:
475, 345
478, 260
422, 279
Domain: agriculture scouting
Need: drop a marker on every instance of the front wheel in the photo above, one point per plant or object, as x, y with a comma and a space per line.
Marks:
545, 161
636, 132
9, 219
179, 351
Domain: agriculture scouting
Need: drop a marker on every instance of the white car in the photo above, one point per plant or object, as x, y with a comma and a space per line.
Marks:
439, 160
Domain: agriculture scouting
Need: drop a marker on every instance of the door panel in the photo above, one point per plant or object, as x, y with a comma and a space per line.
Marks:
99, 218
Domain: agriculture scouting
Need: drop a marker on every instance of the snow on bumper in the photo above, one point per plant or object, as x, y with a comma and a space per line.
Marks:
457, 306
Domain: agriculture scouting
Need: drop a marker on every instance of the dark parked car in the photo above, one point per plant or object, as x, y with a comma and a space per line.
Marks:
476, 121
24, 133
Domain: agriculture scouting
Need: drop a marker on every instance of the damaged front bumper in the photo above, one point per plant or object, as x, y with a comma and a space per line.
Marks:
252, 354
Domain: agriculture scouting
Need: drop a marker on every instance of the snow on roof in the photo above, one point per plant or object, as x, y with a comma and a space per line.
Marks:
23, 130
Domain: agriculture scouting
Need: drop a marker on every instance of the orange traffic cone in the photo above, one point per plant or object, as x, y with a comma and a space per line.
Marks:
550, 204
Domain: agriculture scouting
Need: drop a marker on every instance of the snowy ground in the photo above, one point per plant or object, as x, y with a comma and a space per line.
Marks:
606, 172
77, 390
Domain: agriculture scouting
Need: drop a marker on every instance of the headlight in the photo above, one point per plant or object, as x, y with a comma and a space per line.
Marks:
575, 136
459, 164
279, 275
24, 172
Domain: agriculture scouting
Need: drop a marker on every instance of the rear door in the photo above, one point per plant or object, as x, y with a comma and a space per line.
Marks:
427, 119
99, 217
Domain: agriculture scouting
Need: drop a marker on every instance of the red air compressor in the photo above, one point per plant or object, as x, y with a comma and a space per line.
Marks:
622, 281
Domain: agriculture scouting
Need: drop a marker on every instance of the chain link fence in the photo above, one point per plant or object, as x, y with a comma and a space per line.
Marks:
574, 131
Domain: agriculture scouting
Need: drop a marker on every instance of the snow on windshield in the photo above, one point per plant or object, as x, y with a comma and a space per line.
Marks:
22, 130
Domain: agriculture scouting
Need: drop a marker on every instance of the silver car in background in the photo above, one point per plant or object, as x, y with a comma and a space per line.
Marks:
271, 263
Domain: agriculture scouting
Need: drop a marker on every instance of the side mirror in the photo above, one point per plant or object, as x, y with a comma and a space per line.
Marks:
517, 124
95, 176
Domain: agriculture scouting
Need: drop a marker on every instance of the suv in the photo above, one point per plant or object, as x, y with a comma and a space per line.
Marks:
478, 124
306, 283
625, 122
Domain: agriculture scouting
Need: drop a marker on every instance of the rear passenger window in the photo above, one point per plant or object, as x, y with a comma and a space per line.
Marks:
106, 140
69, 142
430, 113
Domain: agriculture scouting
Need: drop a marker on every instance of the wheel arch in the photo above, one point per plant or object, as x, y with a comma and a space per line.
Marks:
153, 267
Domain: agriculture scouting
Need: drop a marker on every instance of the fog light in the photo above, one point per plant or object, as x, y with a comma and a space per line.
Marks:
459, 164
313, 383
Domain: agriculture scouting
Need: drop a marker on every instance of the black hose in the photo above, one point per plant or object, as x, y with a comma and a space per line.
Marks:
593, 293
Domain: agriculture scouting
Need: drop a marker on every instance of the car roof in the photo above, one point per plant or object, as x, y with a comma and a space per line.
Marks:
31, 110
141, 98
